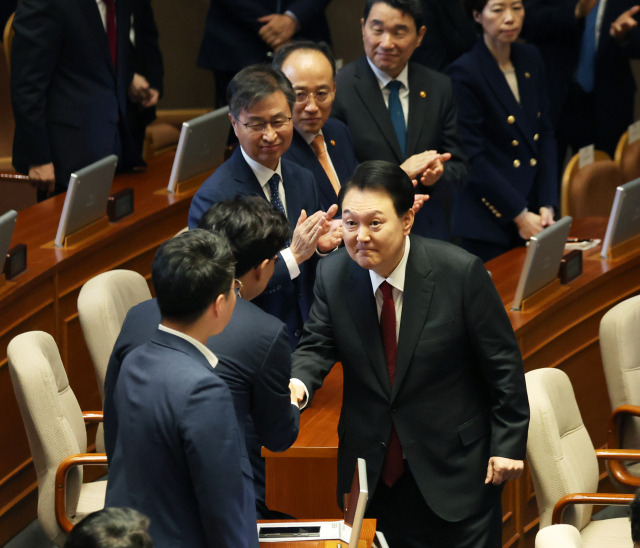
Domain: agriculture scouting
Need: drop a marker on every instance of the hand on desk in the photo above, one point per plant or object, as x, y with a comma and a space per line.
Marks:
501, 470
298, 394
529, 224
43, 177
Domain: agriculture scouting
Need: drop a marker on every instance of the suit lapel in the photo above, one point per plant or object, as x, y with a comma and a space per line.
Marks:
418, 291
368, 91
362, 306
419, 95
244, 177
91, 14
292, 194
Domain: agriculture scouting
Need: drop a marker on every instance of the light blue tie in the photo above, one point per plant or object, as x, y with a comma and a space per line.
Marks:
586, 63
275, 195
397, 114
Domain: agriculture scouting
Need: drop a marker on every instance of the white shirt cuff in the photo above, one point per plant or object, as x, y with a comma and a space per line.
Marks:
292, 265
302, 404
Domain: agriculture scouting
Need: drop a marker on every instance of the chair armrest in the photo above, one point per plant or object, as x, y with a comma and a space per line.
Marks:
92, 416
588, 498
617, 469
81, 459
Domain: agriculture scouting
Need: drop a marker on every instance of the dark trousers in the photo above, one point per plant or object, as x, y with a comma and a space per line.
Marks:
407, 521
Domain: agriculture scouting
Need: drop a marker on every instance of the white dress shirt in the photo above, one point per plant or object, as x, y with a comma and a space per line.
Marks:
210, 356
383, 79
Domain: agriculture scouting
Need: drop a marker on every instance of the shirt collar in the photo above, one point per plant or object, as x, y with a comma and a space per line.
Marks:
383, 78
210, 356
262, 173
396, 278
308, 137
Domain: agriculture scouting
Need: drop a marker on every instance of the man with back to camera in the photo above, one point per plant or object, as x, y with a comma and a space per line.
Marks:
254, 357
111, 528
403, 112
260, 103
177, 452
434, 397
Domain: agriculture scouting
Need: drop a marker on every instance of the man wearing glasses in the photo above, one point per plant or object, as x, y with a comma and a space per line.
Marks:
260, 101
321, 144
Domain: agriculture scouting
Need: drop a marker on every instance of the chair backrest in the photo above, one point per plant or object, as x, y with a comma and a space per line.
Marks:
589, 191
620, 349
52, 419
7, 39
559, 536
103, 304
561, 456
627, 156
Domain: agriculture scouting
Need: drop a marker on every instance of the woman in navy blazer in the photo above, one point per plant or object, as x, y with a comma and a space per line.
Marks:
512, 189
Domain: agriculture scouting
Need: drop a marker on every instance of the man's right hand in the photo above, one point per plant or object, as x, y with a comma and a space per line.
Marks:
305, 236
43, 177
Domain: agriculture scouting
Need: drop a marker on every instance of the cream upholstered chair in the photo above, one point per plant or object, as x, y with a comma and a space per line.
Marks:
620, 349
103, 303
55, 429
564, 465
559, 536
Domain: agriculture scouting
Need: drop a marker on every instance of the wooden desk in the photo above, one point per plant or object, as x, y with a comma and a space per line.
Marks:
560, 333
45, 296
367, 534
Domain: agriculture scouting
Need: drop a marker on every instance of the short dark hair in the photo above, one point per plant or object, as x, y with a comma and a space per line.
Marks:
255, 83
413, 8
255, 229
474, 5
299, 45
189, 272
111, 528
385, 176
634, 515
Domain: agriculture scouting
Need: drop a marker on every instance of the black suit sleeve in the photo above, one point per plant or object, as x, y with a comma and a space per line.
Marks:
147, 59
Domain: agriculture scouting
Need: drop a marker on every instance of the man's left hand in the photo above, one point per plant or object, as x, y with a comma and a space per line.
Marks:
331, 236
624, 23
434, 169
277, 29
501, 470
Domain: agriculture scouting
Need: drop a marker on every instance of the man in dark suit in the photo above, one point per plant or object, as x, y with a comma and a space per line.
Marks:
69, 86
591, 86
260, 101
403, 112
177, 454
239, 33
253, 350
434, 393
321, 144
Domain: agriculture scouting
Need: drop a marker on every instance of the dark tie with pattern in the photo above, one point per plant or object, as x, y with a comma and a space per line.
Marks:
111, 29
274, 183
393, 466
397, 114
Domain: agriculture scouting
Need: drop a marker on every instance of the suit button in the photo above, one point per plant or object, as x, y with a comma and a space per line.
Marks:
539, 114
484, 200
536, 137
514, 143
498, 215
383, 445
516, 163
533, 162
511, 120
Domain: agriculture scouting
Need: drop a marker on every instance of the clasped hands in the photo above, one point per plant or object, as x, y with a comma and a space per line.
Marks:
277, 29
429, 166
529, 224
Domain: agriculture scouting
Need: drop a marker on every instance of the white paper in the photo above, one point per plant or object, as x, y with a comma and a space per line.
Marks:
329, 530
586, 155
634, 132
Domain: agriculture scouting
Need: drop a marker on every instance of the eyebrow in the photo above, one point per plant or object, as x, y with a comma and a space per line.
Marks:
377, 212
377, 22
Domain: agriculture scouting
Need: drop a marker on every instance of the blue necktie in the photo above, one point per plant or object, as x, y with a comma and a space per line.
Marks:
586, 63
397, 114
275, 196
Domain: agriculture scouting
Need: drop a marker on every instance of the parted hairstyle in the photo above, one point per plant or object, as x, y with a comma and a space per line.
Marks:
380, 175
413, 8
111, 528
255, 83
255, 229
303, 45
189, 272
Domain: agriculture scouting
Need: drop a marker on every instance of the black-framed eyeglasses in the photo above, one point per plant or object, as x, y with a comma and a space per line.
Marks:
322, 95
260, 126
237, 287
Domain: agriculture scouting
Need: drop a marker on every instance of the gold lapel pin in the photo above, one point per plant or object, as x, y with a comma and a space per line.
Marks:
527, 75
423, 94
333, 143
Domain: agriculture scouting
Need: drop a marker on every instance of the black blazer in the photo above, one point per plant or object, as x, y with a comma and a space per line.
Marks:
511, 146
231, 40
340, 147
432, 125
284, 298
68, 99
459, 394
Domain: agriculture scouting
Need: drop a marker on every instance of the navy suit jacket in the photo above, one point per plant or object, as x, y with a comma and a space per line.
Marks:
177, 455
340, 147
231, 40
432, 126
68, 99
284, 298
459, 394
512, 165
254, 361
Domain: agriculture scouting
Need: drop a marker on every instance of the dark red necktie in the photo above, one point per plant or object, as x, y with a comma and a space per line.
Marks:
111, 29
393, 466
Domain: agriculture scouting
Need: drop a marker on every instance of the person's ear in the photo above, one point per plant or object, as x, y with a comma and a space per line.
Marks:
407, 221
